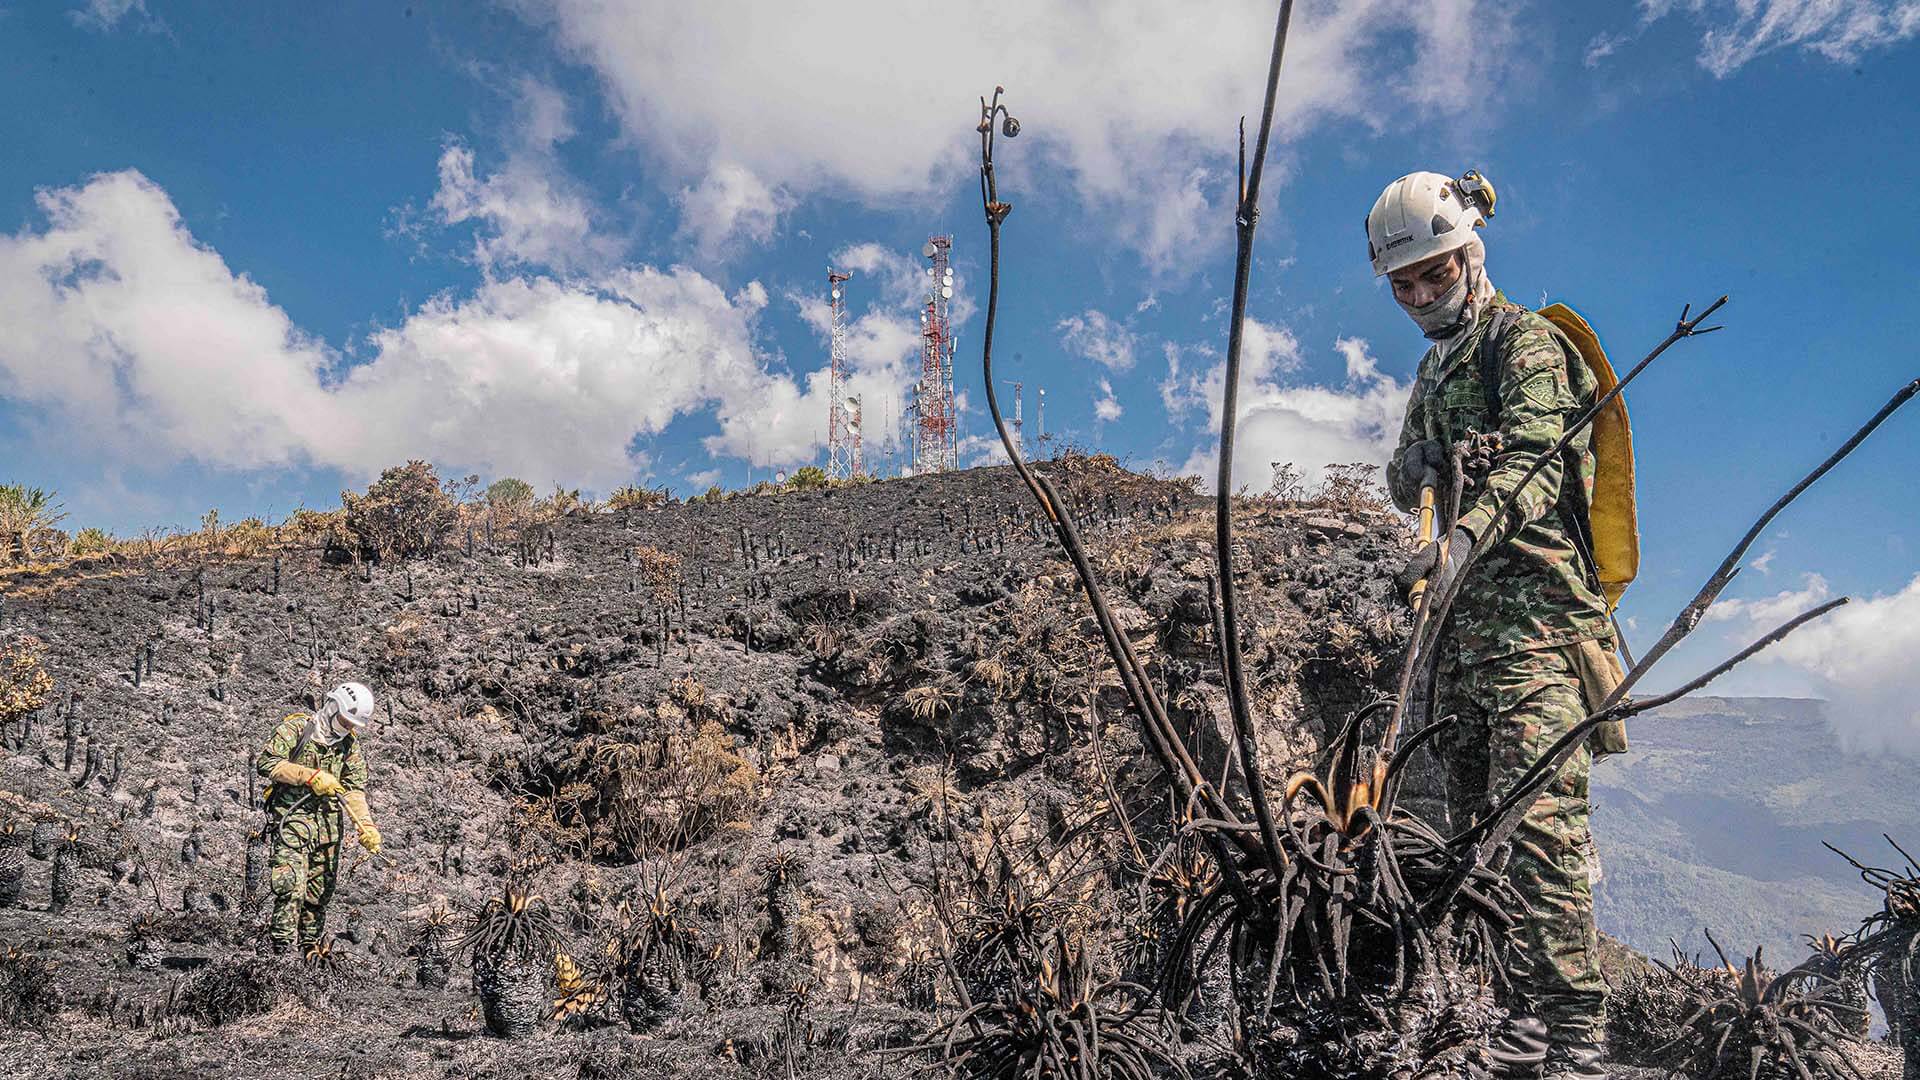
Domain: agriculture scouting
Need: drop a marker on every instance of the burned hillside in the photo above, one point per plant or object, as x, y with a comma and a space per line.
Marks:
756, 760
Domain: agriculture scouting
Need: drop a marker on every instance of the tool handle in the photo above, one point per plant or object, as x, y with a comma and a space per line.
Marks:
1425, 529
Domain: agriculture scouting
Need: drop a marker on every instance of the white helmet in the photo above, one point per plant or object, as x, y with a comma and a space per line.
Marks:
1425, 214
350, 706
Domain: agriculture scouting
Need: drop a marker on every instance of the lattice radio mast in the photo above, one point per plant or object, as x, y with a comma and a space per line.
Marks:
935, 444
843, 429
1019, 441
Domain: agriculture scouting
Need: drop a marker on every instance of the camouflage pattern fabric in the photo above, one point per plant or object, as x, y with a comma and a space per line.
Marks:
304, 831
1510, 710
1528, 587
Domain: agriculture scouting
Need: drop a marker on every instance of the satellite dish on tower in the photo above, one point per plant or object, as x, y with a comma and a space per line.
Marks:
836, 294
946, 292
928, 252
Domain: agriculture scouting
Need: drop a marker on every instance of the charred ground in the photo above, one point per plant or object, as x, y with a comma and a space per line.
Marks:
795, 727
863, 681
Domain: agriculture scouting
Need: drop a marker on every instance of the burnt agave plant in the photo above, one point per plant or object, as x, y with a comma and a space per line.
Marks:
511, 942
1768, 1027
1886, 948
13, 861
433, 949
1055, 1019
653, 960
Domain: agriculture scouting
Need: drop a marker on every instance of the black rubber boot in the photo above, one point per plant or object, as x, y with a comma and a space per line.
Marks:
1520, 1050
1576, 1061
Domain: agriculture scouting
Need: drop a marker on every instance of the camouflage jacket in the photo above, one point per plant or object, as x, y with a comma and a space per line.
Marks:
342, 759
1529, 588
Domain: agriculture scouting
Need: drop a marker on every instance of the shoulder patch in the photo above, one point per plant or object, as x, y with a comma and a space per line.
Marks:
1540, 388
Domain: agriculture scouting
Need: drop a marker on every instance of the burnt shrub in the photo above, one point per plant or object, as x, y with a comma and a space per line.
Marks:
403, 514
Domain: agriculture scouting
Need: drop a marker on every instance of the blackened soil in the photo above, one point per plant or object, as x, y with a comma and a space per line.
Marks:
801, 624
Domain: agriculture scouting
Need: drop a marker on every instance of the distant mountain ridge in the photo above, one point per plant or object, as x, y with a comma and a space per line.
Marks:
1716, 817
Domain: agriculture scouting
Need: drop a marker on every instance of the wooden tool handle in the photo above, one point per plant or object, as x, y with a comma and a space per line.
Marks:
1425, 530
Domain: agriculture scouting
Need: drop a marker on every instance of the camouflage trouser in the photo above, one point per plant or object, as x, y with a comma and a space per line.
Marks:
301, 870
1511, 709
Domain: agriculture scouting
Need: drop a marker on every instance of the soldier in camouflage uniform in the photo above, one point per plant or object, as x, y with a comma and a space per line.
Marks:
1529, 615
317, 770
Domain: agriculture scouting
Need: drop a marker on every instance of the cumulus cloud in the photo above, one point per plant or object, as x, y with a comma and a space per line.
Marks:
1135, 99
1775, 609
1842, 31
149, 349
1862, 654
529, 213
1859, 657
1307, 425
729, 207
1107, 408
1093, 336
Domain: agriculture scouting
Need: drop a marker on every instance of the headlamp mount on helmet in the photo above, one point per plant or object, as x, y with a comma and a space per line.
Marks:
1477, 190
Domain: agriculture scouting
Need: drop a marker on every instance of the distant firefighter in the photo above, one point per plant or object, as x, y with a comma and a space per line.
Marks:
315, 770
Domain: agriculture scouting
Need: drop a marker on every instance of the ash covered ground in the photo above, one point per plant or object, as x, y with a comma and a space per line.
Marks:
797, 718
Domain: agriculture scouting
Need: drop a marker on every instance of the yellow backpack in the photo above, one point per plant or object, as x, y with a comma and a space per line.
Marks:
1613, 516
1608, 534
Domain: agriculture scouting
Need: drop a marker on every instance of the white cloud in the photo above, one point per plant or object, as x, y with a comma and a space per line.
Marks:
1136, 99
1859, 657
530, 213
149, 350
1842, 31
526, 218
104, 15
1266, 352
1309, 426
1093, 336
1775, 609
1107, 408
1863, 656
729, 207
1604, 45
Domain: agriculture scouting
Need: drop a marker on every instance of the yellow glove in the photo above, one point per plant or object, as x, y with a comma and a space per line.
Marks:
291, 775
356, 804
325, 783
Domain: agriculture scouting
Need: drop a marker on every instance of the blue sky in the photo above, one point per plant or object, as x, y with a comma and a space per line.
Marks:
246, 260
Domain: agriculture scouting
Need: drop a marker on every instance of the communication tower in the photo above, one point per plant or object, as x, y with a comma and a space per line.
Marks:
1019, 440
936, 436
843, 428
1040, 424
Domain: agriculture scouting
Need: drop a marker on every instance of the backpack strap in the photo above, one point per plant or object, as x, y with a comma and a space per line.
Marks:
1490, 348
293, 755
1572, 503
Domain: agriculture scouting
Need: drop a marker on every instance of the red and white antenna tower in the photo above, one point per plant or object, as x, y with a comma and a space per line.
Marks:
936, 448
843, 427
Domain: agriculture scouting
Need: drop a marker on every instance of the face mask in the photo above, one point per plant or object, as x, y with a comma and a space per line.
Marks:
327, 728
1446, 316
